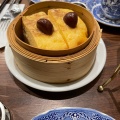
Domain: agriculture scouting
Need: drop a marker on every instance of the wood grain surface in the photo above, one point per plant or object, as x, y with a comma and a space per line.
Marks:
25, 102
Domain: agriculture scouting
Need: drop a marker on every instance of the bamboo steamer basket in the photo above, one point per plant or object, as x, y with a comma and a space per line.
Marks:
84, 14
59, 69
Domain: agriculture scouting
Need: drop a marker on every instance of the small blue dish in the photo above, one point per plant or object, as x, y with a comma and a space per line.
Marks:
74, 113
35, 1
89, 3
99, 16
83, 1
111, 9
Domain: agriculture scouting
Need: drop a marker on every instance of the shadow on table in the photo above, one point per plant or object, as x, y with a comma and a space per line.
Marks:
2, 50
115, 95
56, 95
118, 56
109, 29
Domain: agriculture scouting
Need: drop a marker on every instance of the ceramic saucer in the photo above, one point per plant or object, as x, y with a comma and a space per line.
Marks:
83, 1
99, 16
92, 74
91, 3
35, 1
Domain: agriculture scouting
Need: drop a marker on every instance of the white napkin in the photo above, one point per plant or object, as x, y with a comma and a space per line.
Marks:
3, 34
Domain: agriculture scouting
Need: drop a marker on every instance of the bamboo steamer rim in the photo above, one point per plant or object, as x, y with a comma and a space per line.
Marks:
30, 55
62, 52
92, 45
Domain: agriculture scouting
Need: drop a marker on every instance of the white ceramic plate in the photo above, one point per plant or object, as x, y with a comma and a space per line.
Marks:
93, 73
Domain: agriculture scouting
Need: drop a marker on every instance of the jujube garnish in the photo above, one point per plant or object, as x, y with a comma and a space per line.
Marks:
45, 26
71, 19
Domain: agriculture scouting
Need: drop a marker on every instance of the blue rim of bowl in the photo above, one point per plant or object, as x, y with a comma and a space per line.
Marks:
35, 1
99, 16
72, 113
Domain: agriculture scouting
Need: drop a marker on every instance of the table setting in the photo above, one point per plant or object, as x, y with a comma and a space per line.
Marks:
27, 91
4, 24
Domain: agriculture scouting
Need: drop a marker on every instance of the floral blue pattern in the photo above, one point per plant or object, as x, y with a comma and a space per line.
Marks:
91, 3
35, 1
111, 8
73, 114
99, 15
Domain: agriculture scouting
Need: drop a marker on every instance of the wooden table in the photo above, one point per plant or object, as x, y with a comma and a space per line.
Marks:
25, 102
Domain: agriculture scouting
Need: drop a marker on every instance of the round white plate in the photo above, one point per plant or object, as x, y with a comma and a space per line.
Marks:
93, 73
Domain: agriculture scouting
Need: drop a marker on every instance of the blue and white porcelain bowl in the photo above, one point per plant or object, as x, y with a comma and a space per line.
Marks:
73, 113
111, 8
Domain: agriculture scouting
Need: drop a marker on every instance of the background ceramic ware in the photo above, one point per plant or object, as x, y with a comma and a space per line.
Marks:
2, 110
111, 8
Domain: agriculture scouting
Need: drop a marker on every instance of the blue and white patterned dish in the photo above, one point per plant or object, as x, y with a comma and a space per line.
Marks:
74, 113
111, 9
99, 16
91, 3
35, 1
